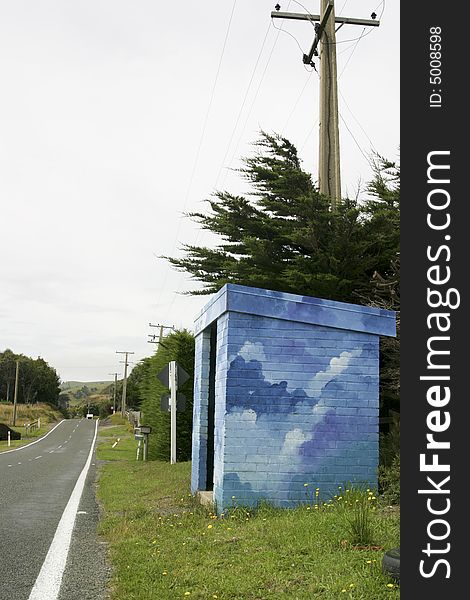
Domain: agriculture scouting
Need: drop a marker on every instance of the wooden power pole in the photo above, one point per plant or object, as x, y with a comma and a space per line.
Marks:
329, 174
124, 382
153, 338
15, 395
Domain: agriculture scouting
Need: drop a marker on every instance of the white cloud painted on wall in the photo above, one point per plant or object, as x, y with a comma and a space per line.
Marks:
260, 426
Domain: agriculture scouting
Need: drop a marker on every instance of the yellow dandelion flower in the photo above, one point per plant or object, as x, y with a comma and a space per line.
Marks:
165, 573
390, 585
351, 585
209, 527
305, 484
369, 562
187, 593
308, 507
343, 590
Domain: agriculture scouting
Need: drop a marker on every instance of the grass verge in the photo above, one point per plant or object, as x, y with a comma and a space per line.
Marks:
32, 436
164, 545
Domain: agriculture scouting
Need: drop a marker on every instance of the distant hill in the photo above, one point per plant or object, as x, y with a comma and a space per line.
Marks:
94, 387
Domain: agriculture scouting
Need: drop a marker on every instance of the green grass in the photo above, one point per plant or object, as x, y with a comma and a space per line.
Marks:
164, 545
121, 430
32, 436
26, 413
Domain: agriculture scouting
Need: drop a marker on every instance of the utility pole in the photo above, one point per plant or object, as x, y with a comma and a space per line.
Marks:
114, 391
152, 337
15, 396
124, 382
329, 179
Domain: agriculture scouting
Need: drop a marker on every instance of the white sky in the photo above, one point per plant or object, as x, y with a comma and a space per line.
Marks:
102, 111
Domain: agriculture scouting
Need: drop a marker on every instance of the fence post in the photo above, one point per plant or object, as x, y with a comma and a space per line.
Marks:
8, 436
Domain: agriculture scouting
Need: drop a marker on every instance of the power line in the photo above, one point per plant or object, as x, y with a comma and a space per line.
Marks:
198, 151
358, 122
304, 87
355, 140
242, 105
240, 112
255, 97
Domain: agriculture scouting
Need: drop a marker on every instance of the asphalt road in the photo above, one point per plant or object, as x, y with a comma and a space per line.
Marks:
35, 485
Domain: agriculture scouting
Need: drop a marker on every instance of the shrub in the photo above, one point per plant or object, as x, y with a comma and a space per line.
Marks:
389, 481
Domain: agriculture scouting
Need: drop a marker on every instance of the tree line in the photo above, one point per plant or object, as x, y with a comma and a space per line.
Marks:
37, 381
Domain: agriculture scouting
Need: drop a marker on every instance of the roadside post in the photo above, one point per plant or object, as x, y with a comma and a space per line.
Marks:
172, 376
138, 436
145, 430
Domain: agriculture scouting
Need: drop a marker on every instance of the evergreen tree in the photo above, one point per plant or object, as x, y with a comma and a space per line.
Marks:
37, 381
285, 237
178, 346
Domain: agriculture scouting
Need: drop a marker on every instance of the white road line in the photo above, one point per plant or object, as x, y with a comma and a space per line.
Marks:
39, 440
59, 447
40, 456
47, 584
10, 465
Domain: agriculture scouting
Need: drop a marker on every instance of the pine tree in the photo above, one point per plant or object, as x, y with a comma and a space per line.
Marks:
283, 236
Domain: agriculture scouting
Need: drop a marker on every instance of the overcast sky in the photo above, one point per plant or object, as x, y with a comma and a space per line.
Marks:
111, 128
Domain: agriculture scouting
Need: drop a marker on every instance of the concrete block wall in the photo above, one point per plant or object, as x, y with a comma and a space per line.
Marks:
301, 407
296, 396
200, 405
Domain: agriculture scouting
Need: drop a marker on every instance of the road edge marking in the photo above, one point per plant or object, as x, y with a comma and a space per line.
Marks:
47, 584
35, 441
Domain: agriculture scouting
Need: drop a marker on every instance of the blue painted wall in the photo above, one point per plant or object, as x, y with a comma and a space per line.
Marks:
296, 396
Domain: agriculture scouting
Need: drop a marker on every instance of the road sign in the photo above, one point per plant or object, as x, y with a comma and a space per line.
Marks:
165, 402
180, 402
145, 429
182, 375
164, 375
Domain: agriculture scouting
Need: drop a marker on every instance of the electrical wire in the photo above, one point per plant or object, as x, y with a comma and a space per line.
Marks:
198, 151
245, 97
297, 101
358, 122
355, 140
381, 4
253, 102
350, 56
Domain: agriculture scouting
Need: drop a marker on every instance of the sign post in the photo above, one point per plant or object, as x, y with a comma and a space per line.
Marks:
173, 391
171, 376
